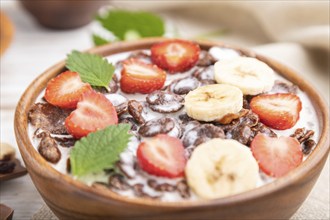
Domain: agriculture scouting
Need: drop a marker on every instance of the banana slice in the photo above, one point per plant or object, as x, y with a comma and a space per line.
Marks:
221, 167
249, 74
213, 102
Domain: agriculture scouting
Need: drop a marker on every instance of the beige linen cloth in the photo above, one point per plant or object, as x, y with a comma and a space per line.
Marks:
293, 32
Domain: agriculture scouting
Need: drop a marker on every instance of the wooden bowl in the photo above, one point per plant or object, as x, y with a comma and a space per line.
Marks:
71, 199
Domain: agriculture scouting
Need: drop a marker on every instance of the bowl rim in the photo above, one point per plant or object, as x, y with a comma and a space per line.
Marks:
42, 168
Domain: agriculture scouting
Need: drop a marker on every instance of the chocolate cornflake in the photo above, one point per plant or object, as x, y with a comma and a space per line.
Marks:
298, 133
135, 109
183, 189
164, 102
206, 82
130, 121
157, 126
117, 181
120, 166
48, 149
201, 134
65, 141
304, 137
245, 128
163, 187
139, 55
7, 167
284, 87
138, 191
184, 85
308, 146
205, 59
48, 117
242, 134
121, 108
204, 73
184, 118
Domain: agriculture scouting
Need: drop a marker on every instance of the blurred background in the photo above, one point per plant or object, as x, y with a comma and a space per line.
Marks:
36, 34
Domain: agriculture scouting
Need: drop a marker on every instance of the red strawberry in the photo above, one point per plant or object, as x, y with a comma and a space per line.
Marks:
66, 89
278, 111
276, 156
175, 55
141, 77
162, 155
94, 112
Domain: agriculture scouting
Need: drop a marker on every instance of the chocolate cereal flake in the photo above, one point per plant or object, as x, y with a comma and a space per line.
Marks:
48, 117
49, 150
118, 182
184, 85
205, 59
183, 189
201, 134
135, 109
164, 102
157, 126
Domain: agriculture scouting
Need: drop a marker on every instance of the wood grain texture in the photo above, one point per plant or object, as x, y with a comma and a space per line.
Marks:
70, 199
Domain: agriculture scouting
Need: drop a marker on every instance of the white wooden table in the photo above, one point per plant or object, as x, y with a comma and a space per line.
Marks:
34, 49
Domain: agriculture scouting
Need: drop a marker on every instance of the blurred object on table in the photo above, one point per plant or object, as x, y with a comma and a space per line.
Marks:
10, 167
6, 213
6, 32
63, 14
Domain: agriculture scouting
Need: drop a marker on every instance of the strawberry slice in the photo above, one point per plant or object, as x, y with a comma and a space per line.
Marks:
94, 112
141, 77
66, 89
276, 156
175, 55
162, 155
278, 111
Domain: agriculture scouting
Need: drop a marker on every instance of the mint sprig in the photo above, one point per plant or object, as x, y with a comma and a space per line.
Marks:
123, 24
99, 150
98, 40
92, 68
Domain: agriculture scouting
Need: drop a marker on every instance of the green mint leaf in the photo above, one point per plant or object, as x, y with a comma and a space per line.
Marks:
99, 150
92, 68
119, 22
98, 41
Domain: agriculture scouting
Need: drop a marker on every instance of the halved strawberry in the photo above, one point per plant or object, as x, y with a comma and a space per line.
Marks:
278, 111
276, 156
66, 89
94, 112
141, 77
175, 55
162, 155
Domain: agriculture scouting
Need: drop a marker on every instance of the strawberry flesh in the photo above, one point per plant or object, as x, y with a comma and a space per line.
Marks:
66, 89
140, 77
94, 112
276, 156
163, 156
278, 111
175, 55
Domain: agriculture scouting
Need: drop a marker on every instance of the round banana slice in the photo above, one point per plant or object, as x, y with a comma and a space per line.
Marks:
213, 102
249, 74
221, 167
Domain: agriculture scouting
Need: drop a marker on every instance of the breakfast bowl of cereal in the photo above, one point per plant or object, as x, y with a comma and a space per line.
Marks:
172, 129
